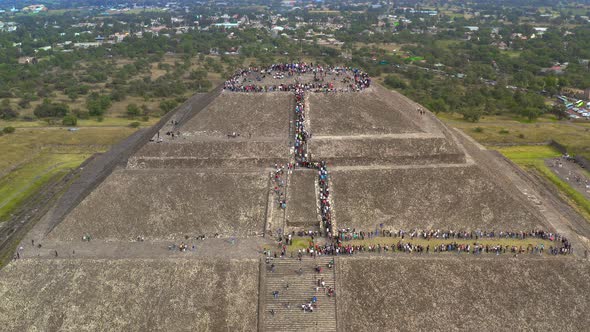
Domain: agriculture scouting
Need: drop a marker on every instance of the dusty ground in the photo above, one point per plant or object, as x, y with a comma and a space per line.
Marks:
129, 295
571, 173
446, 197
467, 294
168, 204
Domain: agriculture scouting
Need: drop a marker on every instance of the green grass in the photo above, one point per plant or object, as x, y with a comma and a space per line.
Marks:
26, 180
532, 158
31, 157
106, 122
526, 155
511, 53
446, 43
575, 136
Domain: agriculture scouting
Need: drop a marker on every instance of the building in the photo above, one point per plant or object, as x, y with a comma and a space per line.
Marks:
35, 8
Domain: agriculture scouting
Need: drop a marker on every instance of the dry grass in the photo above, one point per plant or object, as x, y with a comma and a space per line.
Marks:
506, 130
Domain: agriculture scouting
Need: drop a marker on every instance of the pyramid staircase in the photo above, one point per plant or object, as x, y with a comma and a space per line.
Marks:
296, 282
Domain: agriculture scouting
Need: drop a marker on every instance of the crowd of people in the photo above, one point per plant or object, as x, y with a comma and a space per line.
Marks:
301, 135
302, 159
562, 247
353, 234
279, 183
325, 208
353, 79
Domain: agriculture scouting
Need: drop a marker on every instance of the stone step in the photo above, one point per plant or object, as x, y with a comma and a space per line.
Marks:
302, 287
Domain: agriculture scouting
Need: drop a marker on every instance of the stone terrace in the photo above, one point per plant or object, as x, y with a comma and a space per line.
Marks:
363, 113
169, 204
302, 200
466, 294
448, 197
129, 295
402, 149
258, 115
377, 127
227, 153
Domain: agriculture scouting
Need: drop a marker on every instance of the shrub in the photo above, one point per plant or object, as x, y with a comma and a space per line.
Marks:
8, 114
24, 103
394, 82
80, 114
133, 110
8, 130
478, 129
69, 120
49, 109
520, 135
98, 104
503, 131
471, 114
134, 124
168, 105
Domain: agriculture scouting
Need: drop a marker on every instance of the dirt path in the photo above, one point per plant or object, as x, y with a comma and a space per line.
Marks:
223, 248
571, 173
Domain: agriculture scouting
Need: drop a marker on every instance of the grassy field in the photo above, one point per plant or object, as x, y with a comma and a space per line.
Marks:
33, 156
93, 122
511, 53
498, 130
532, 158
27, 179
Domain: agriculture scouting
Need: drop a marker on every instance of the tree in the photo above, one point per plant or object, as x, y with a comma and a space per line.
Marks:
168, 105
7, 113
471, 114
560, 111
394, 82
532, 113
439, 105
133, 110
49, 109
97, 104
69, 120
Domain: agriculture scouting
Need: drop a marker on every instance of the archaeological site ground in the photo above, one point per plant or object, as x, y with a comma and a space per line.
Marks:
217, 219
